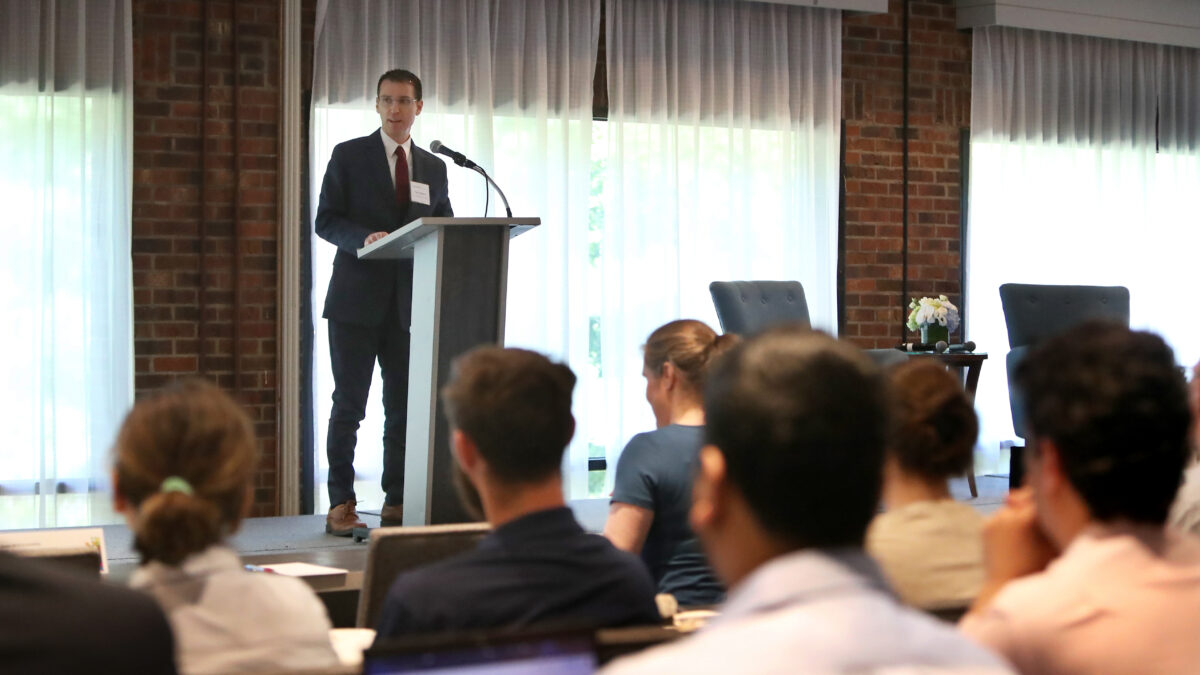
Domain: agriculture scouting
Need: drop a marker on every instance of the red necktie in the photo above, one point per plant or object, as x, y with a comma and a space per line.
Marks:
402, 197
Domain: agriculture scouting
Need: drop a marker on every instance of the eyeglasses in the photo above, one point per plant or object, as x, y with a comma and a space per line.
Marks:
403, 101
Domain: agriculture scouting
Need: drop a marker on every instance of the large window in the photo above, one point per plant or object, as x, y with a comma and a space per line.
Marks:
1084, 167
65, 267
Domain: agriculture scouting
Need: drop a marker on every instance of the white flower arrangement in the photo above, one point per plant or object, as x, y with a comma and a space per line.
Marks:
929, 311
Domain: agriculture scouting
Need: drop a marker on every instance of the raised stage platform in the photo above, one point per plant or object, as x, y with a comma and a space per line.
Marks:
263, 541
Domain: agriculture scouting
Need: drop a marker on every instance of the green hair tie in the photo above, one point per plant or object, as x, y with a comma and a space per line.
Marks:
176, 484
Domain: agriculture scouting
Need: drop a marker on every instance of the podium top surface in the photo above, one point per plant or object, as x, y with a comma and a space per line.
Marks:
398, 244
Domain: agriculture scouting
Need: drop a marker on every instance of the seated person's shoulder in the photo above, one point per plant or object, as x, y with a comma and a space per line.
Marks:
641, 448
817, 641
624, 564
60, 617
455, 576
1026, 610
90, 597
488, 587
440, 596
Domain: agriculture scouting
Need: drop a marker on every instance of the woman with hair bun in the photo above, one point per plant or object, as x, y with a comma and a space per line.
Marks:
929, 546
183, 472
653, 487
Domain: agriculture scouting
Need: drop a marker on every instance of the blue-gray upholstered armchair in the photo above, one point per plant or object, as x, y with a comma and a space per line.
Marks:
1034, 312
749, 307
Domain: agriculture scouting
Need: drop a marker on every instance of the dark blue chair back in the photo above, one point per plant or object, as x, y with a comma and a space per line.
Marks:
1034, 312
749, 307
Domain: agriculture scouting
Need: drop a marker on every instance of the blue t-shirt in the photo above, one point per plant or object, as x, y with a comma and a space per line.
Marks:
655, 472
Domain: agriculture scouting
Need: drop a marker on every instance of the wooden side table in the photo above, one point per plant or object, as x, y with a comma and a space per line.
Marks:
968, 365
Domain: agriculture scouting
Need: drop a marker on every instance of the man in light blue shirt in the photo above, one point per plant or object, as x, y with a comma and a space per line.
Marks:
788, 481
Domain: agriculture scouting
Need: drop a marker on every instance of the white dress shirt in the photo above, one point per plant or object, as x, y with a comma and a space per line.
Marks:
228, 620
1118, 600
389, 146
816, 612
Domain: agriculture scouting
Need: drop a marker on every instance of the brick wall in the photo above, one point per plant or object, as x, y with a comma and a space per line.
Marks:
205, 228
872, 102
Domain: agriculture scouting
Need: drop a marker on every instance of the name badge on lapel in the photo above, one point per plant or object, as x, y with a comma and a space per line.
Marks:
419, 192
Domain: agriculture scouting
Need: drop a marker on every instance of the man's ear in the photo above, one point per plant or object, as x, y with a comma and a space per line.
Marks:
1049, 465
466, 453
669, 375
120, 503
247, 502
710, 489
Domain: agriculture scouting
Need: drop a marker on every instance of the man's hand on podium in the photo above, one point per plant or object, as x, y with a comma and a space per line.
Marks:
374, 237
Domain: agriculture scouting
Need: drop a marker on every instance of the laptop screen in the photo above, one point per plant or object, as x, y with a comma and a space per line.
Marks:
494, 655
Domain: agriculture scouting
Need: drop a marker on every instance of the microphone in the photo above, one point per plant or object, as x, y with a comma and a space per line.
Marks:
459, 158
915, 347
940, 347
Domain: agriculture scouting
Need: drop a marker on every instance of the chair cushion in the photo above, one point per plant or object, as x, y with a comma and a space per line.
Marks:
886, 358
748, 307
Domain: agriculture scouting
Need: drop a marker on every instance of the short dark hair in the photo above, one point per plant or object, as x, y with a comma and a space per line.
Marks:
801, 419
400, 75
935, 426
1115, 404
516, 406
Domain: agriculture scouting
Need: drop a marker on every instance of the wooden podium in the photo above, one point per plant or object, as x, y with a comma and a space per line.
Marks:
460, 277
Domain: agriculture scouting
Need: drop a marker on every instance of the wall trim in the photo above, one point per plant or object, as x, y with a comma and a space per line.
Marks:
866, 6
1167, 22
288, 370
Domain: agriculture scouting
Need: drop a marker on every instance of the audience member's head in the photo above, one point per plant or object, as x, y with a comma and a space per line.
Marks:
183, 465
1108, 413
934, 432
796, 426
677, 357
510, 415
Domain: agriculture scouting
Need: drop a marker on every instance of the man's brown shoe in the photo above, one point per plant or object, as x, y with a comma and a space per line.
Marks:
342, 519
391, 515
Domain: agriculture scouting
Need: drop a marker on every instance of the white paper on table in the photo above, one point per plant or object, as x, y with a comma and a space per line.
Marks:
301, 569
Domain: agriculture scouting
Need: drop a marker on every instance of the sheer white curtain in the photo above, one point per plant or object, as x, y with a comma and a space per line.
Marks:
722, 164
65, 182
509, 83
1085, 162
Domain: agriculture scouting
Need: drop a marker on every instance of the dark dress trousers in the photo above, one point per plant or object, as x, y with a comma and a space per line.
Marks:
55, 621
369, 302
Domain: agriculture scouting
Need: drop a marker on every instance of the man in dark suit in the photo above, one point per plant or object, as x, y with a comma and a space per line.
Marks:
374, 185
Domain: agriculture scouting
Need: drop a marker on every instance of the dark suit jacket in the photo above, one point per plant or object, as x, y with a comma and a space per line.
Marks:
541, 569
54, 621
358, 198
